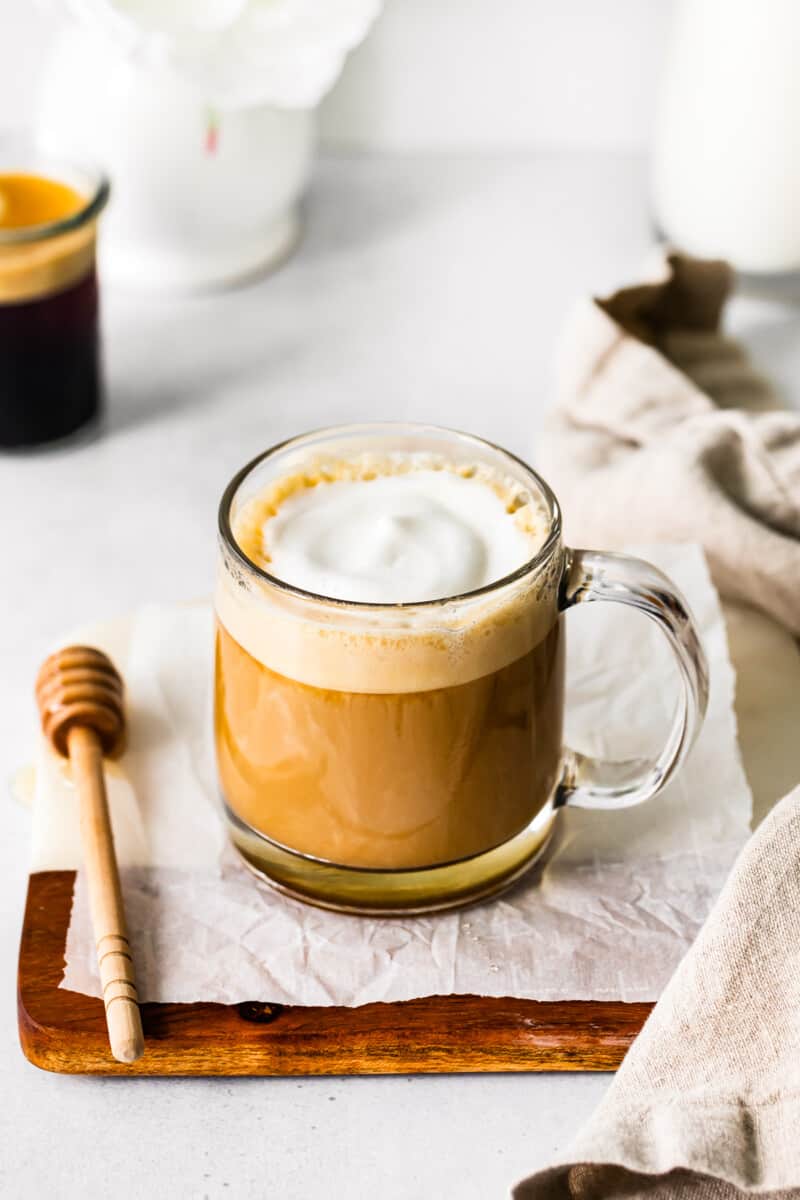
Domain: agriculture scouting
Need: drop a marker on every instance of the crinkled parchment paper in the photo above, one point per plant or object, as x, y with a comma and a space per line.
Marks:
607, 918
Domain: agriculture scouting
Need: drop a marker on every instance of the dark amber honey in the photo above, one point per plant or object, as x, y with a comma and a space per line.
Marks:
50, 380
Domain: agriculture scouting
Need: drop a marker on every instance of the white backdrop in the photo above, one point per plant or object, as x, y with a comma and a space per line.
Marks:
453, 74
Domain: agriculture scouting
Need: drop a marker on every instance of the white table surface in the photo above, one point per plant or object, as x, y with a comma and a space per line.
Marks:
424, 288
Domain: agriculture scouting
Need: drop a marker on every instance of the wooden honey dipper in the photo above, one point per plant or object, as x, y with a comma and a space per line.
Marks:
79, 692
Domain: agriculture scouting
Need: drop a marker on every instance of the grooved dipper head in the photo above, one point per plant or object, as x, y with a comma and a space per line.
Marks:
81, 686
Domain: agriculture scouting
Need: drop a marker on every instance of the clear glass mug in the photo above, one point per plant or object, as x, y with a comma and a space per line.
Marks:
387, 758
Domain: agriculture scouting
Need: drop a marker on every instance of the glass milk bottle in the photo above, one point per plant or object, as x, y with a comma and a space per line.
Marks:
726, 168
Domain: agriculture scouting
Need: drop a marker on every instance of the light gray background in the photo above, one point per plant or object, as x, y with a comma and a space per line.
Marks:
451, 75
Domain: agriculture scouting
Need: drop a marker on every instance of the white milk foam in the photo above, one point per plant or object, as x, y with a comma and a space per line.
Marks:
396, 539
389, 531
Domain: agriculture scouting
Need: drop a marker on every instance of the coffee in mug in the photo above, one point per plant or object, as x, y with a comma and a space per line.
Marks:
390, 668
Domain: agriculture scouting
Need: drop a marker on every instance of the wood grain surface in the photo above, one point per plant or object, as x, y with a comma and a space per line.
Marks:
65, 1031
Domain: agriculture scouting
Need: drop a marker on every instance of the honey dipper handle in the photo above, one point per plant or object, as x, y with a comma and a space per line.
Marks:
105, 897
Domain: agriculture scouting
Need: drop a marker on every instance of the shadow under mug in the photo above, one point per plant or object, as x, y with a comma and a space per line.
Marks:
385, 758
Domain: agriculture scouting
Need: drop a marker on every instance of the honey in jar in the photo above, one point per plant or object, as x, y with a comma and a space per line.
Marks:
50, 376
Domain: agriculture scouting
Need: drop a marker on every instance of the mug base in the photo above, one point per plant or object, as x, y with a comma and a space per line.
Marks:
380, 892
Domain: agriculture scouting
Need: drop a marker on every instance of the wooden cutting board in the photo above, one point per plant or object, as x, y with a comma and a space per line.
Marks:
65, 1031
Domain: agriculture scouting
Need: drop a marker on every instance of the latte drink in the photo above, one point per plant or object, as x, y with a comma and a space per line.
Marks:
390, 668
389, 675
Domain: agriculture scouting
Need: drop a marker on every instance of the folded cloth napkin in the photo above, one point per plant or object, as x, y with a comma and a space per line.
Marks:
707, 1101
664, 431
662, 427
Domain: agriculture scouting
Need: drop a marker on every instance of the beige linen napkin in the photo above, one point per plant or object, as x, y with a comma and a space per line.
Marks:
707, 1102
663, 430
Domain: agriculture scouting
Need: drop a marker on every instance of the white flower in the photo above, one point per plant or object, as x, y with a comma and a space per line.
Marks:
237, 53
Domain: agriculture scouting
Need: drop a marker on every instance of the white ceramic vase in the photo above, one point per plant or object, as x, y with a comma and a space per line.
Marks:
199, 199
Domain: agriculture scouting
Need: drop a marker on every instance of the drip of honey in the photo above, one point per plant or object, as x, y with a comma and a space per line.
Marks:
28, 200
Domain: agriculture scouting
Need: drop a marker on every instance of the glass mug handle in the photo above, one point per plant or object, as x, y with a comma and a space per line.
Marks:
590, 575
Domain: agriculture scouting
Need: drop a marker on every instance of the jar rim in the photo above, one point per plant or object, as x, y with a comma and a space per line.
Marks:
20, 153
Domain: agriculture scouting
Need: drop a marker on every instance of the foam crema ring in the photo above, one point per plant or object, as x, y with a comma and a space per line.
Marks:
392, 533
397, 539
81, 686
